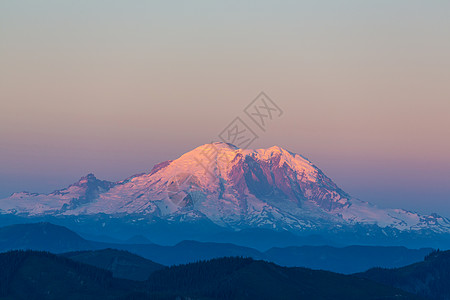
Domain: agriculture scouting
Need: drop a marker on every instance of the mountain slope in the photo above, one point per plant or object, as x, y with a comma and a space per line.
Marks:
345, 260
41, 275
233, 188
41, 236
122, 259
244, 278
122, 264
83, 192
58, 239
429, 278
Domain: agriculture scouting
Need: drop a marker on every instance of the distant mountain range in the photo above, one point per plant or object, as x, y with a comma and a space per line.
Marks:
219, 188
57, 239
42, 236
236, 273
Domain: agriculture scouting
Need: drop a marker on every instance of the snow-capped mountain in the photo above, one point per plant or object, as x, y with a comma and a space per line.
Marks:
234, 188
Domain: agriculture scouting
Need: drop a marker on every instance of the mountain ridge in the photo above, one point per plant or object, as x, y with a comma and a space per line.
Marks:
428, 278
234, 188
60, 240
42, 275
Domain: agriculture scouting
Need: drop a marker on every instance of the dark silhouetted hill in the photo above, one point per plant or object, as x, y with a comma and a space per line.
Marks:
429, 278
122, 264
42, 275
245, 278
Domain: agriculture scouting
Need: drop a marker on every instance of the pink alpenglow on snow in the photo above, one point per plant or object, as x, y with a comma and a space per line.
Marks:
264, 188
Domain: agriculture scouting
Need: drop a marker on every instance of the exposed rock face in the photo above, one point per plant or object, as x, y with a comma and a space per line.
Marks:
235, 188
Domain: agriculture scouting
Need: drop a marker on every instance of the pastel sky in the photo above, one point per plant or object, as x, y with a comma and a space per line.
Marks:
113, 87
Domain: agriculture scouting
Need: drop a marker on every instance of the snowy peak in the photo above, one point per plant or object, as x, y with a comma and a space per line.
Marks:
273, 173
84, 191
91, 183
89, 178
217, 180
231, 187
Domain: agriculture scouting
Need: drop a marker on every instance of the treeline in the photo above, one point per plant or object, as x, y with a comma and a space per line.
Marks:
42, 275
212, 278
10, 263
429, 278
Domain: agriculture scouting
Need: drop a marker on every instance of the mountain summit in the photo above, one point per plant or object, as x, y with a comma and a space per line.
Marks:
234, 188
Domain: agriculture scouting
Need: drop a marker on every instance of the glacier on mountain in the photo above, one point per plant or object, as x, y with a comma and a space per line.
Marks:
234, 188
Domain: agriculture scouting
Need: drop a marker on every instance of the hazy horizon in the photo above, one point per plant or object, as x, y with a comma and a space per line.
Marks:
114, 88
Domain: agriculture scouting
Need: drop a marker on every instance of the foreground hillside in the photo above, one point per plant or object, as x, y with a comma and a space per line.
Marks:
41, 275
245, 278
429, 278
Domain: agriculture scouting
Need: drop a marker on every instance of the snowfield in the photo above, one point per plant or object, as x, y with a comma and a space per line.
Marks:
234, 188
